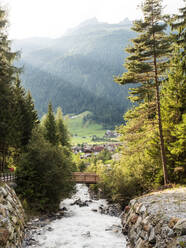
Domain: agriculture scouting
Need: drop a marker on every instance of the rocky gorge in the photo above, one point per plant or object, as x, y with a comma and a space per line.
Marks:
156, 220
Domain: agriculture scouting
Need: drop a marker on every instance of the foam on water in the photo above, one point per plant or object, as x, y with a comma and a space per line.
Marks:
83, 228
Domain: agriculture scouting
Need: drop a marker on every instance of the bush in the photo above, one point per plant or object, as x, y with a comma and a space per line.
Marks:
117, 183
44, 174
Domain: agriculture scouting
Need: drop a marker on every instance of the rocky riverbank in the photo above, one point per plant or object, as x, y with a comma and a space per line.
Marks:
11, 218
156, 220
38, 225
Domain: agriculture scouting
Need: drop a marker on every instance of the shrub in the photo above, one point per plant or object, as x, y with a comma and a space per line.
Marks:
44, 174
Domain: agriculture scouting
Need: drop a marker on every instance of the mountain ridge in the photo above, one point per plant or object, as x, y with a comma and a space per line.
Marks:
84, 61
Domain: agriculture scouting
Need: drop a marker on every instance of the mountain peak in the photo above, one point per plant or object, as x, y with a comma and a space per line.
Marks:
92, 21
125, 21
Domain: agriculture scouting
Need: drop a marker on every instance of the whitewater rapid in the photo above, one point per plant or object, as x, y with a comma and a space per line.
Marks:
83, 227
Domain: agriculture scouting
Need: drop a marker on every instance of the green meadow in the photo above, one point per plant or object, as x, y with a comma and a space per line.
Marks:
81, 131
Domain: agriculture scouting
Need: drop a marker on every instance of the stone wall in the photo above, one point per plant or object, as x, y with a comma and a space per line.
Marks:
11, 218
156, 220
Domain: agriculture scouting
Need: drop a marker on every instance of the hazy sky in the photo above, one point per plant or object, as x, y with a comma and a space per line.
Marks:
51, 18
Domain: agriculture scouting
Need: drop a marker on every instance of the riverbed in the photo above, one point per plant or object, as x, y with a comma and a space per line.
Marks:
83, 226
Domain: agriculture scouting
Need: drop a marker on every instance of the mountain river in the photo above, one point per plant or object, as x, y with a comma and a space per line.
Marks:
83, 227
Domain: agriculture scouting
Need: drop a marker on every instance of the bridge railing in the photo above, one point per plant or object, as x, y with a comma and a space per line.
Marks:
85, 177
78, 177
7, 177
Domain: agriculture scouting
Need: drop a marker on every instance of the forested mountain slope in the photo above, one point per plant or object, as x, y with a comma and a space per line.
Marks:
76, 71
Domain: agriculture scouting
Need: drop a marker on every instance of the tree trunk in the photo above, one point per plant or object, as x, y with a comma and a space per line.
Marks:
4, 160
3, 154
162, 146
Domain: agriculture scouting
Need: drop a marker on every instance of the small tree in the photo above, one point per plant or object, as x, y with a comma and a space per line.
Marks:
50, 129
62, 132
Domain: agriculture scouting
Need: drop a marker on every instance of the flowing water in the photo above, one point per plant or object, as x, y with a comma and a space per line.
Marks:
83, 227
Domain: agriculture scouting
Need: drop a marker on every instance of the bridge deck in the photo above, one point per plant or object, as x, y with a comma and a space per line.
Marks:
85, 177
78, 177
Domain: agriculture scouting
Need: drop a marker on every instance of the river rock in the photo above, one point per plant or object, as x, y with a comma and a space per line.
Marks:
80, 203
63, 209
50, 229
111, 209
86, 234
180, 227
94, 210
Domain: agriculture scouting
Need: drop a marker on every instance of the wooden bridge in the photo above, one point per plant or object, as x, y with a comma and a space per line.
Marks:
78, 177
85, 177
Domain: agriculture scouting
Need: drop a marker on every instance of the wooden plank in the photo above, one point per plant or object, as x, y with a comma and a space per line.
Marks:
85, 177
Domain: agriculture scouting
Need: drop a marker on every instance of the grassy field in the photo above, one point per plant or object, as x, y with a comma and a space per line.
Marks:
82, 132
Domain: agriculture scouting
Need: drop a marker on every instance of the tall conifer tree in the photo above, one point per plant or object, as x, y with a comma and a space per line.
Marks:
50, 131
146, 64
8, 74
174, 116
62, 131
174, 100
180, 25
17, 114
25, 115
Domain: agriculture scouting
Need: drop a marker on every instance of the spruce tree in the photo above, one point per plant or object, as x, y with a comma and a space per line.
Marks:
179, 24
30, 118
17, 114
174, 100
62, 132
174, 115
8, 74
180, 36
146, 64
25, 115
50, 131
